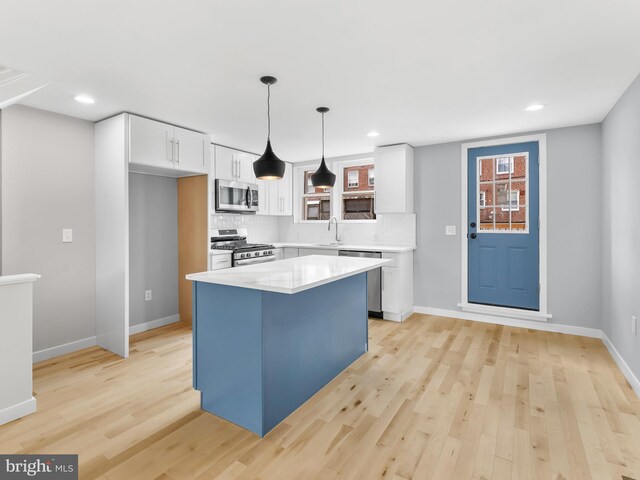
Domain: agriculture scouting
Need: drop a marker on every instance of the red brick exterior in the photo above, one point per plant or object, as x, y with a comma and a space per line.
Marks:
363, 179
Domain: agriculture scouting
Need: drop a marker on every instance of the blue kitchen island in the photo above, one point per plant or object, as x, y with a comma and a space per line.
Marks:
267, 337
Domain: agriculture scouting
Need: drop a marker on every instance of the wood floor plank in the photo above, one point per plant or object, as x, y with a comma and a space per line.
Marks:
434, 398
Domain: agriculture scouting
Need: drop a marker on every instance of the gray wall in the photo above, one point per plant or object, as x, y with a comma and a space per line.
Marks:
153, 247
574, 212
621, 226
47, 185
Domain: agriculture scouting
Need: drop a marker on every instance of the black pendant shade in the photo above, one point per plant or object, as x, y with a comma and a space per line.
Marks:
269, 166
323, 177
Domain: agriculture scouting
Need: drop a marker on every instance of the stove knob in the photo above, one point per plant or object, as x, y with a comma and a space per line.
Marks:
270, 252
242, 255
256, 254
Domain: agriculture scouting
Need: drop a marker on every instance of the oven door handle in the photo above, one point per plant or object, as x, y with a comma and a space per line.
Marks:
254, 260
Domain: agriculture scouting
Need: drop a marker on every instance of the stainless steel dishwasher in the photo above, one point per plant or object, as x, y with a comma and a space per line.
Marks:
374, 281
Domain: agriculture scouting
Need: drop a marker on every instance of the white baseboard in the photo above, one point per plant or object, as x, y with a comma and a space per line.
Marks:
622, 365
19, 410
512, 322
160, 322
48, 353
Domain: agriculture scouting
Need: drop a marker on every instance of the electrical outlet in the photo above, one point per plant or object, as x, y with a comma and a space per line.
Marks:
67, 235
450, 230
376, 237
147, 295
634, 325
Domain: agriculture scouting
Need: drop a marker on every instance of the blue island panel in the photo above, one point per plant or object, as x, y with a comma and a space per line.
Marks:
228, 352
308, 339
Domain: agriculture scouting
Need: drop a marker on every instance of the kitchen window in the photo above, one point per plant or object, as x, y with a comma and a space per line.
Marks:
316, 202
352, 199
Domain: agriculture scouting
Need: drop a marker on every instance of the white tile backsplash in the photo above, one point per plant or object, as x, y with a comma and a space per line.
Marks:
260, 228
396, 229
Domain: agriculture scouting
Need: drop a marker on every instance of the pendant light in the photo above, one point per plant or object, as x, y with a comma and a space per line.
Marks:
323, 177
269, 166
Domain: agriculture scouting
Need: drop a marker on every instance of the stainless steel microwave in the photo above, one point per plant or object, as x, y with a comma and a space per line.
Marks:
236, 197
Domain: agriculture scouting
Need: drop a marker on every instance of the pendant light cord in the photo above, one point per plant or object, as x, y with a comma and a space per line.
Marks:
323, 135
269, 112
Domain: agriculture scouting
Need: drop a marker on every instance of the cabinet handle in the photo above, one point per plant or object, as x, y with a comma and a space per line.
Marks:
239, 169
178, 156
234, 170
170, 159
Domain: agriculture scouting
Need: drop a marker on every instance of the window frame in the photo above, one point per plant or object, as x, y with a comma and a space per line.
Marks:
371, 177
482, 200
299, 193
512, 207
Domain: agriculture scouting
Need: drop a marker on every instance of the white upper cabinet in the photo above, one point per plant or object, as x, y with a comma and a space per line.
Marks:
158, 144
278, 194
234, 165
191, 150
150, 142
394, 179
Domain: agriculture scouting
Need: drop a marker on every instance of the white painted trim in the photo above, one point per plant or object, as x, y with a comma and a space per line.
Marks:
56, 351
512, 322
22, 278
160, 322
18, 410
542, 155
514, 313
622, 365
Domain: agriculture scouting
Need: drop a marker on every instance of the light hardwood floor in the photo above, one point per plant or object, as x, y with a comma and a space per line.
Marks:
435, 398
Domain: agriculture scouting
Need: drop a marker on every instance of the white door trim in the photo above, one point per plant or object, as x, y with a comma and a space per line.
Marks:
542, 146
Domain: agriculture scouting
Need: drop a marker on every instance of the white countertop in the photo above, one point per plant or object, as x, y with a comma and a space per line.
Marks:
346, 246
292, 275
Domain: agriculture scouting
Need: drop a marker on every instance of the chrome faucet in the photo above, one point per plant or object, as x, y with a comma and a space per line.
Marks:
334, 220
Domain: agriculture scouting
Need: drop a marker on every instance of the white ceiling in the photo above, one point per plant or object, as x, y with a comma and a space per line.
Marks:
418, 71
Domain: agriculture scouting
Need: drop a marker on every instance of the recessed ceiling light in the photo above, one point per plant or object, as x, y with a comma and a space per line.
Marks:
84, 99
373, 134
535, 107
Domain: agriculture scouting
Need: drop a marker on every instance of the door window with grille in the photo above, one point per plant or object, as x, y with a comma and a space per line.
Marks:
503, 193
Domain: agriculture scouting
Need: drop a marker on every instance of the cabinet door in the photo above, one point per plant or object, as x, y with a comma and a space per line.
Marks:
273, 195
244, 165
279, 253
285, 192
390, 299
263, 197
225, 163
150, 142
191, 150
392, 179
303, 252
290, 252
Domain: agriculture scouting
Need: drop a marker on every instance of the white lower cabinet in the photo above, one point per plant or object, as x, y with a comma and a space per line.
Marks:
279, 253
397, 286
289, 252
303, 252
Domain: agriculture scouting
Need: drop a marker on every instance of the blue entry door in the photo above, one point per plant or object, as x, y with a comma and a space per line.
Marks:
503, 228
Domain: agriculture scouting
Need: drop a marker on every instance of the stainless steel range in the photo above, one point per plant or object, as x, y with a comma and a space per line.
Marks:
234, 240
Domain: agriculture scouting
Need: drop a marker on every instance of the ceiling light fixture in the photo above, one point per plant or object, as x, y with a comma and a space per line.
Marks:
323, 177
269, 166
535, 107
86, 99
373, 133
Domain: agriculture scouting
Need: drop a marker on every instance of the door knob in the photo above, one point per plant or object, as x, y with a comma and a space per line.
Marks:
472, 224
473, 235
